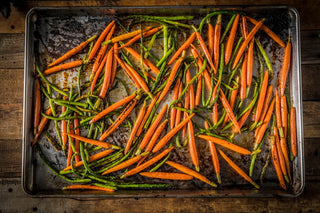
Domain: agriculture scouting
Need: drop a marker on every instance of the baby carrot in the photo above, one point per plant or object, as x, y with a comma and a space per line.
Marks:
250, 63
278, 113
243, 78
246, 42
42, 124
128, 72
97, 73
37, 107
284, 114
280, 154
230, 41
125, 36
99, 188
190, 172
122, 165
233, 97
139, 79
293, 131
262, 96
265, 106
156, 135
285, 68
91, 141
183, 47
244, 27
167, 175
276, 164
173, 110
192, 146
238, 169
64, 128
70, 150
76, 142
107, 75
114, 64
178, 115
61, 67
217, 34
210, 38
72, 52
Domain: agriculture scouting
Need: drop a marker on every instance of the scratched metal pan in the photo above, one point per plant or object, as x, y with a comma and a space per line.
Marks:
52, 31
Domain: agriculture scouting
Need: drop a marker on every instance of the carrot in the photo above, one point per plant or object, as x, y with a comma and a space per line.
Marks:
268, 31
119, 119
107, 75
285, 68
42, 124
243, 78
138, 78
278, 113
64, 128
284, 149
77, 132
145, 34
128, 72
293, 131
228, 109
167, 175
250, 63
99, 188
91, 159
178, 115
217, 33
93, 142
280, 155
265, 123
229, 45
146, 62
147, 164
61, 67
37, 107
170, 134
284, 114
190, 172
215, 106
98, 63
192, 146
152, 128
226, 144
243, 119
214, 156
210, 39
276, 164
97, 73
244, 27
100, 39
113, 107
70, 151
238, 169
262, 96
232, 102
122, 165
185, 114
171, 77
72, 52
198, 91
125, 36
246, 42
114, 64
135, 127
173, 110
183, 47
156, 135
206, 75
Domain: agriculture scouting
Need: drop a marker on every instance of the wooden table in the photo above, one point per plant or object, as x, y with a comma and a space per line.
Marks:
13, 199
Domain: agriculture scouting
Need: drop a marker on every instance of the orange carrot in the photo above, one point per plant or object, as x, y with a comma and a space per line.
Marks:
262, 96
37, 107
243, 119
167, 175
127, 35
99, 188
113, 107
98, 63
170, 134
250, 63
185, 114
173, 110
268, 31
205, 74
243, 78
238, 169
178, 115
183, 47
93, 142
226, 144
61, 67
128, 72
214, 156
275, 160
97, 73
173, 73
64, 128
100, 39
190, 172
72, 52
284, 114
156, 135
284, 150
147, 164
244, 27
278, 113
138, 78
210, 39
119, 119
91, 159
198, 91
293, 131
280, 155
229, 45
246, 42
122, 165
217, 33
229, 111
192, 146
76, 142
114, 64
232, 102
107, 74
285, 68
265, 123
135, 127
70, 151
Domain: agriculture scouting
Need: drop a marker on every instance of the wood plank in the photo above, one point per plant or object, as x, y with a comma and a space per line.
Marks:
14, 200
10, 161
11, 50
311, 118
310, 47
311, 153
15, 23
310, 82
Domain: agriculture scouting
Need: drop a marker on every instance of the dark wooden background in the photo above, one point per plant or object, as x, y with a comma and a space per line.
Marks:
13, 199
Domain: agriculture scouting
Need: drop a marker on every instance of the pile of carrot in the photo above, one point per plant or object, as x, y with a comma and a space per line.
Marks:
203, 88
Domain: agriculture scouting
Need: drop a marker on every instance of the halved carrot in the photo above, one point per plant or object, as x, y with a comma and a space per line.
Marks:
93, 142
238, 169
37, 107
250, 63
226, 144
183, 47
113, 107
122, 165
190, 172
124, 114
61, 67
268, 31
214, 156
170, 134
285, 68
210, 38
72, 52
99, 188
42, 124
284, 114
173, 110
167, 175
293, 131
217, 33
243, 78
246, 42
107, 75
262, 96
147, 164
275, 160
97, 45
229, 45
265, 123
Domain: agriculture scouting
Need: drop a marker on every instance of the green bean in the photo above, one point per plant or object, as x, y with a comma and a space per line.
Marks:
70, 102
227, 27
56, 146
233, 55
213, 14
172, 18
265, 56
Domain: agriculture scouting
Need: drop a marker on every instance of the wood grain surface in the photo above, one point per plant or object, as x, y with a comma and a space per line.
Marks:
12, 197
